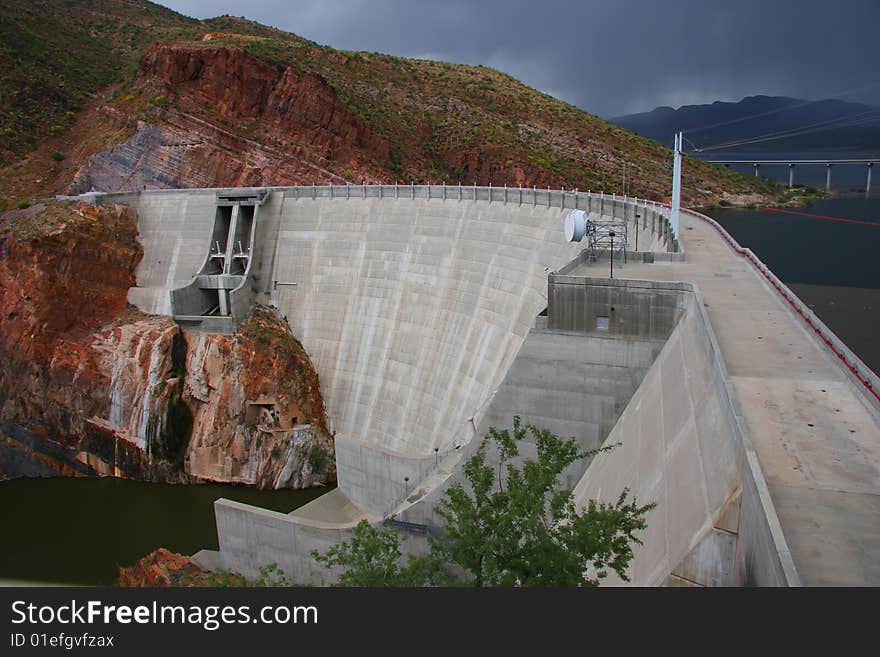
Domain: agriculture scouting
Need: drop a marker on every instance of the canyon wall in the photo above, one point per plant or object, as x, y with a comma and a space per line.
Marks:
234, 120
92, 386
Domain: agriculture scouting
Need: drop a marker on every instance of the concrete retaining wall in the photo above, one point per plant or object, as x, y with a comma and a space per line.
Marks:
867, 382
682, 447
575, 385
252, 538
378, 480
624, 308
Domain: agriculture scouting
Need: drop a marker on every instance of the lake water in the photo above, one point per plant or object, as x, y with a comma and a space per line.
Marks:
77, 530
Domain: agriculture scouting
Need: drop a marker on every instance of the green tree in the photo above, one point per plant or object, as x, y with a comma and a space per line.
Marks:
512, 525
517, 527
373, 558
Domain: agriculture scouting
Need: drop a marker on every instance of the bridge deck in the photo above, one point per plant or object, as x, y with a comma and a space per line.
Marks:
818, 440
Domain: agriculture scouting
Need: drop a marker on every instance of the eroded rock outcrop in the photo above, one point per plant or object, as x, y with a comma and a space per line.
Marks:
163, 568
236, 120
258, 411
89, 385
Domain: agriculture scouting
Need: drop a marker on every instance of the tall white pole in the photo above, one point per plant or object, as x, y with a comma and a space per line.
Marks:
676, 184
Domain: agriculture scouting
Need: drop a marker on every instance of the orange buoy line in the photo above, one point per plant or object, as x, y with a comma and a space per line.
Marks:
823, 217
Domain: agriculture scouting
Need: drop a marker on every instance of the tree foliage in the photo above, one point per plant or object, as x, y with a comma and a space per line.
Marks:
512, 525
373, 558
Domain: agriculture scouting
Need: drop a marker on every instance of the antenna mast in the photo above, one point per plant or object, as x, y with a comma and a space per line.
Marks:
676, 183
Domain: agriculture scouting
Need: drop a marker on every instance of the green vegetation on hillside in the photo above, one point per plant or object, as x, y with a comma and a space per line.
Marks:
54, 54
436, 114
442, 121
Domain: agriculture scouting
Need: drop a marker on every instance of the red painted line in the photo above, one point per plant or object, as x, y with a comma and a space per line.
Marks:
766, 273
824, 217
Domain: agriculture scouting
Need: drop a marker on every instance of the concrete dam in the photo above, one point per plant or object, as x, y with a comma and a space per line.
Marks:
434, 312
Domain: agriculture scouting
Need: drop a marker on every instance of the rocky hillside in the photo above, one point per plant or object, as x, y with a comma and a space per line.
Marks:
147, 97
90, 386
162, 568
54, 54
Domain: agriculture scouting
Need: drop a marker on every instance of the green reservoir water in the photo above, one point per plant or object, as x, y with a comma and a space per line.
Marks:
77, 531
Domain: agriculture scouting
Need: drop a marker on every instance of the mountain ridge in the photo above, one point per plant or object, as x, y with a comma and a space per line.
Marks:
135, 119
827, 124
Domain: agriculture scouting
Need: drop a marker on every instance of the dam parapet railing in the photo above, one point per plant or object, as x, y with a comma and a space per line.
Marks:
646, 215
651, 216
866, 381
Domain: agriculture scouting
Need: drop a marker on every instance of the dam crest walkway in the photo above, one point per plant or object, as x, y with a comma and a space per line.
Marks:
814, 425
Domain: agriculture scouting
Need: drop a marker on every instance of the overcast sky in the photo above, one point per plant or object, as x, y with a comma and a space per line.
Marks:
608, 57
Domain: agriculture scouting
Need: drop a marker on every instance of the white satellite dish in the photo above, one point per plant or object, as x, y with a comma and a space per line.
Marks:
576, 225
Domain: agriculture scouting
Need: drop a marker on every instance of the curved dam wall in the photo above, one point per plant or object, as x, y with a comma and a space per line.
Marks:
415, 308
412, 302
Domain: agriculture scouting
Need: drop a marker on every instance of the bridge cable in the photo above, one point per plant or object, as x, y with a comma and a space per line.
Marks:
863, 118
840, 121
783, 109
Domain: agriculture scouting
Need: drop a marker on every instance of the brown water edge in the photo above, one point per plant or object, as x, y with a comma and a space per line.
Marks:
853, 313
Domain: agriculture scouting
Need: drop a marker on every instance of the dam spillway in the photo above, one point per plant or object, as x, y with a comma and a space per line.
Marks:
414, 303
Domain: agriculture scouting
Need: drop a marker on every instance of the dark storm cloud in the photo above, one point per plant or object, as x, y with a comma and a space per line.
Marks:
611, 57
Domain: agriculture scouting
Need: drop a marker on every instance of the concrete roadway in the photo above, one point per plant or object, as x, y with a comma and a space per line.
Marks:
817, 438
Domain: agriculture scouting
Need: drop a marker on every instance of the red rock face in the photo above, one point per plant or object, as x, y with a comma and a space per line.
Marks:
162, 568
233, 120
64, 271
259, 416
491, 163
237, 120
104, 389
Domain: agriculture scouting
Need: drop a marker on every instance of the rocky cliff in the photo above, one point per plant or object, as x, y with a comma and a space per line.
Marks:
231, 110
90, 386
162, 568
258, 412
230, 119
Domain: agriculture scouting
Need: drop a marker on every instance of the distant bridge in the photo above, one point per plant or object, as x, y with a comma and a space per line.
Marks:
869, 162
